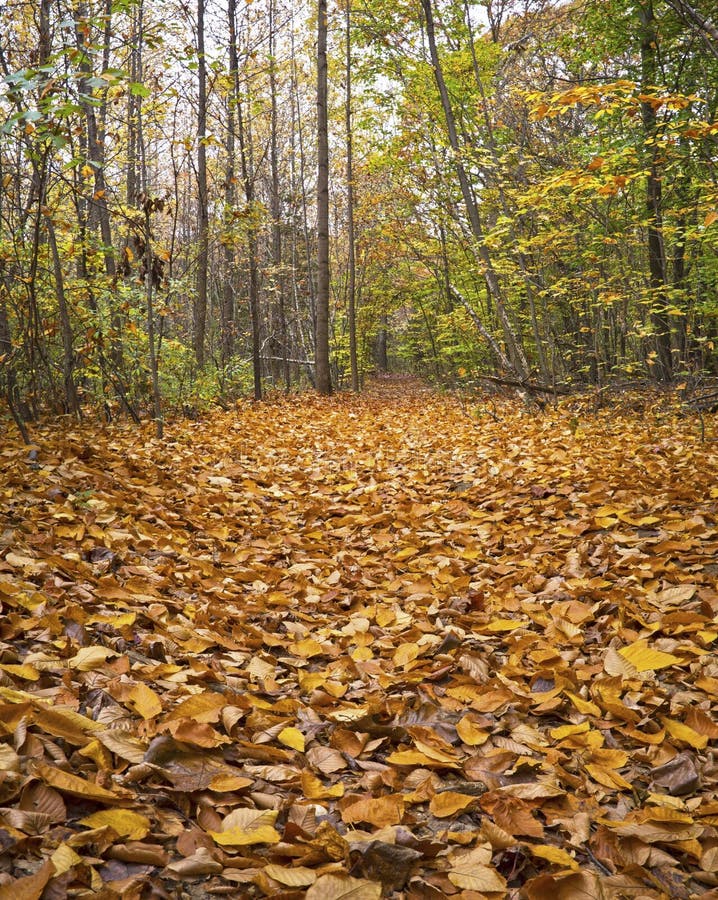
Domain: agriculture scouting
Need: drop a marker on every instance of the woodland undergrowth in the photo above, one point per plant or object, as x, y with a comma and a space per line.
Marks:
388, 645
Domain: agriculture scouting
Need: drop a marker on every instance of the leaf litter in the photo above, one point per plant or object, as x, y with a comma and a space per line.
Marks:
361, 647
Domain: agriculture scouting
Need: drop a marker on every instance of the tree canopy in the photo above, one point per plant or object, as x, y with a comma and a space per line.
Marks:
533, 196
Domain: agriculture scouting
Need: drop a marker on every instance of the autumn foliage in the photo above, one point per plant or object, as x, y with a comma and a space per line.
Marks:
380, 646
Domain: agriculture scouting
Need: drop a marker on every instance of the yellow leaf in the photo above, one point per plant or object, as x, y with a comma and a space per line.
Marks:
645, 738
554, 855
415, 758
204, 707
297, 877
125, 822
484, 879
26, 672
225, 784
564, 731
608, 777
682, 732
244, 826
237, 837
710, 218
643, 657
292, 737
144, 701
499, 625
67, 724
76, 787
89, 658
119, 621
98, 753
583, 706
406, 653
311, 680
307, 648
344, 887
470, 733
447, 803
434, 750
611, 759
406, 553
314, 789
64, 859
615, 664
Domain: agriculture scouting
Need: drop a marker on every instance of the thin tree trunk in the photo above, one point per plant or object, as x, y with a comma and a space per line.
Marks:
323, 373
518, 363
200, 304
297, 118
654, 195
230, 196
247, 164
148, 205
493, 149
351, 262
277, 276
68, 354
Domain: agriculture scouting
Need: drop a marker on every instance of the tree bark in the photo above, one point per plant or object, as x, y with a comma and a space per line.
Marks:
323, 373
200, 303
654, 195
516, 358
351, 245
277, 274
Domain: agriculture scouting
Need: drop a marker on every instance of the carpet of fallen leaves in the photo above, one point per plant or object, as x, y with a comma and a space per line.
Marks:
387, 646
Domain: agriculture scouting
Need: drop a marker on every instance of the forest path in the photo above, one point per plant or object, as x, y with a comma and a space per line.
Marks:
478, 637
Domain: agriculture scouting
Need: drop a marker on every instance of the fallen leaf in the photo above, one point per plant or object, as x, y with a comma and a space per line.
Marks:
127, 823
343, 887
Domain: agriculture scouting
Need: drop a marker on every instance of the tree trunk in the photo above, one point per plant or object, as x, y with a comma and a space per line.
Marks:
518, 363
230, 194
654, 195
247, 163
148, 206
200, 303
323, 373
351, 246
72, 401
277, 274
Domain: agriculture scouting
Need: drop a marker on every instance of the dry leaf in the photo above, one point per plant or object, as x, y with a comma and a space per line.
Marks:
644, 657
127, 823
292, 737
448, 803
296, 877
343, 887
378, 811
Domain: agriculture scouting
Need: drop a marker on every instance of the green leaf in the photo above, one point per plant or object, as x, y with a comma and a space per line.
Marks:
137, 89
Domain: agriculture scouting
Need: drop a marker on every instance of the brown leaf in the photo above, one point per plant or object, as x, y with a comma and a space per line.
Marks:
378, 811
388, 863
678, 776
30, 887
201, 862
137, 852
42, 799
512, 815
344, 887
77, 787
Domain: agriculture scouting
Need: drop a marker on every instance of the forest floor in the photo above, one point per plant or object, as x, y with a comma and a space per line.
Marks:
394, 645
